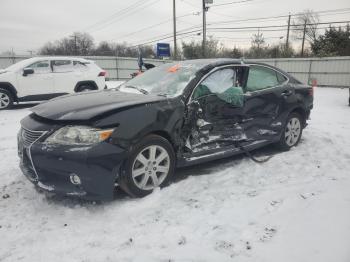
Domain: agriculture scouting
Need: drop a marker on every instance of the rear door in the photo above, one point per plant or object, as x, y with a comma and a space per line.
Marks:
39, 84
265, 96
64, 77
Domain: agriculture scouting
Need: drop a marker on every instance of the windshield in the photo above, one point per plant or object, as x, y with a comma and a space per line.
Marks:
21, 64
169, 79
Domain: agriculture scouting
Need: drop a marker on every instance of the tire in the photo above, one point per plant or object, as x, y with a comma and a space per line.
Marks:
6, 99
85, 88
292, 132
142, 173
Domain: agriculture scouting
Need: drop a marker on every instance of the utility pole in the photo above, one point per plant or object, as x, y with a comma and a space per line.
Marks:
204, 9
287, 41
30, 52
302, 45
174, 23
75, 44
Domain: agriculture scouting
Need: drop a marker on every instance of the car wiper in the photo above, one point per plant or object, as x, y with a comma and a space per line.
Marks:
162, 94
141, 90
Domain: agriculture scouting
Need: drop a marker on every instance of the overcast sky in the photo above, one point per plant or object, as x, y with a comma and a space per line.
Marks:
27, 25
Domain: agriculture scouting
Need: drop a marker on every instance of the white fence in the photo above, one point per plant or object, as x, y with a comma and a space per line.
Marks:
118, 68
328, 71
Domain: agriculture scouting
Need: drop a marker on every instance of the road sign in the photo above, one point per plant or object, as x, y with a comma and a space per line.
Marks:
163, 50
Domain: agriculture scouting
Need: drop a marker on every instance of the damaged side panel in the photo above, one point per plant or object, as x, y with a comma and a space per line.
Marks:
165, 117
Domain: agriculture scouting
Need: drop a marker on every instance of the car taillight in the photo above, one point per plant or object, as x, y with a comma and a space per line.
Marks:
313, 86
311, 91
103, 73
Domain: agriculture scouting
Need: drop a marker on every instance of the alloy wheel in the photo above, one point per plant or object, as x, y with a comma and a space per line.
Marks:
293, 131
4, 100
151, 167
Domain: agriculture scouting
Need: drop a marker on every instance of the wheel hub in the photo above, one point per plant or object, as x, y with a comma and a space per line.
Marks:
151, 167
4, 100
293, 131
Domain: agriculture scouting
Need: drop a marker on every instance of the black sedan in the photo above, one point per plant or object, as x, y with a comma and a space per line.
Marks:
174, 115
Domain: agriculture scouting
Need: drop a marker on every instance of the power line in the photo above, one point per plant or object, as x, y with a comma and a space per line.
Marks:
165, 36
151, 26
130, 11
241, 29
231, 3
115, 14
266, 30
240, 20
278, 16
278, 26
156, 40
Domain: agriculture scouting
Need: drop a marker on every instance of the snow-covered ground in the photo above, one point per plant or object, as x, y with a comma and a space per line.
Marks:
295, 207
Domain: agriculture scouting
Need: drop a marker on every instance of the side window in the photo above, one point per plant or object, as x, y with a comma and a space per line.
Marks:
41, 67
261, 78
225, 84
79, 66
281, 78
62, 66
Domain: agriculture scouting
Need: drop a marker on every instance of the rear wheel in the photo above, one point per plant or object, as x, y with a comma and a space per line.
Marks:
150, 165
292, 132
6, 99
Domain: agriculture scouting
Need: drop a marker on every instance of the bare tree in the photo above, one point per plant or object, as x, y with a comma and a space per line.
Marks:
76, 44
258, 45
310, 20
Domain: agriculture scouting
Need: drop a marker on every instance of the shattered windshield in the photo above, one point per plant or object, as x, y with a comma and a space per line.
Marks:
168, 79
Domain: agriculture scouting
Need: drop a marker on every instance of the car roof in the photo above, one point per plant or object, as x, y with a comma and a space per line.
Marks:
38, 58
205, 65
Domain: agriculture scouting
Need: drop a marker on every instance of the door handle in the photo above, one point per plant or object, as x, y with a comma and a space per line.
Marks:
287, 93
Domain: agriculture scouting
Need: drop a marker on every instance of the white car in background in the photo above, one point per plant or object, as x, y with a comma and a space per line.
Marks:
42, 78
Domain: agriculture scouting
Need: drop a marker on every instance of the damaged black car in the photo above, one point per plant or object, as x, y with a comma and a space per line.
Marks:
174, 115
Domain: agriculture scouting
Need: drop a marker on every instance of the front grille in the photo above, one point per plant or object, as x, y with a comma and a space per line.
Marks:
27, 167
29, 136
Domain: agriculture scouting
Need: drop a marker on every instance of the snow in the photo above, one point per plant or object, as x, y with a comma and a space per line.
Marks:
113, 84
295, 207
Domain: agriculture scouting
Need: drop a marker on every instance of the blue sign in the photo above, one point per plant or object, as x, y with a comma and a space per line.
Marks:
163, 49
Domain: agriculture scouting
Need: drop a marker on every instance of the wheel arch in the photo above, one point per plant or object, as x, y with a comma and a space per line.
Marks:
87, 82
10, 88
165, 135
302, 112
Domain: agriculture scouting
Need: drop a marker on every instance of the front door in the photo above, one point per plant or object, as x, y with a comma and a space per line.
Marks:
39, 84
215, 109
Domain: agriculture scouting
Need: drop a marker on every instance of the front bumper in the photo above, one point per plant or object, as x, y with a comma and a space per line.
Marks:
49, 167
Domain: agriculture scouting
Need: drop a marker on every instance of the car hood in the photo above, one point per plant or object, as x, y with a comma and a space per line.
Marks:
93, 104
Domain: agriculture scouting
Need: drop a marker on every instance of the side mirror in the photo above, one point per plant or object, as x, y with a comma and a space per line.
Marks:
28, 71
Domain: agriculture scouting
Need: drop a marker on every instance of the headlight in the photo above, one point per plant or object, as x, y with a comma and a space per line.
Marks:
79, 135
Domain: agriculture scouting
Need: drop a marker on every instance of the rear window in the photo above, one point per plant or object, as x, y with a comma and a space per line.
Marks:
62, 66
261, 77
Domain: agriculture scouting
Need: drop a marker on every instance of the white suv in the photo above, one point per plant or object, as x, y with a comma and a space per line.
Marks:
43, 78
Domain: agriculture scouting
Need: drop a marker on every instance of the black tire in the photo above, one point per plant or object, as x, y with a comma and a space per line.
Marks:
132, 185
86, 87
6, 99
285, 144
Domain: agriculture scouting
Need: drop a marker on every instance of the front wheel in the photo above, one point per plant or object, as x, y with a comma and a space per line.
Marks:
6, 99
292, 132
150, 165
